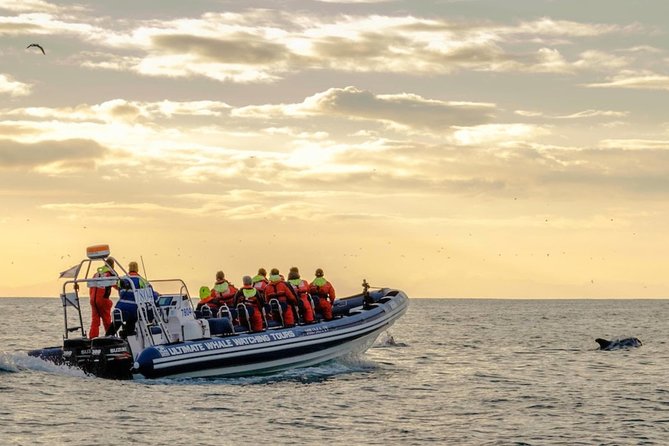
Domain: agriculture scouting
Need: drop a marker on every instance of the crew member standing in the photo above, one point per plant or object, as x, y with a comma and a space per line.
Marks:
126, 302
101, 304
325, 292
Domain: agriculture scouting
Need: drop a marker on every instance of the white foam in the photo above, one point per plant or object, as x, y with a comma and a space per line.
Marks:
15, 362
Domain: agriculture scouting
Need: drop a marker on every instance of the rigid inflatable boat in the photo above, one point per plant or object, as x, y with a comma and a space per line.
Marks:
171, 339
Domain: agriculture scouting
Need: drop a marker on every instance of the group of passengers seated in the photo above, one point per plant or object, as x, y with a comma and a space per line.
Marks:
265, 301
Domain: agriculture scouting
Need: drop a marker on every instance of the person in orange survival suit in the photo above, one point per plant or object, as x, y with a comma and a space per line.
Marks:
260, 280
101, 304
325, 292
277, 289
301, 288
254, 301
223, 292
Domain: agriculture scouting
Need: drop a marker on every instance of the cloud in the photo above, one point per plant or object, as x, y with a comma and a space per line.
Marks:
265, 46
644, 80
28, 6
405, 109
51, 156
634, 144
12, 87
584, 114
241, 48
502, 134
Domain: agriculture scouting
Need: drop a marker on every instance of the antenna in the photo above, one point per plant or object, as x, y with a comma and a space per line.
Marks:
143, 268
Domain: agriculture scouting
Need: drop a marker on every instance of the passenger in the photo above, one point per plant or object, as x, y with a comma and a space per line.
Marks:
222, 293
254, 301
301, 288
260, 280
101, 304
325, 292
126, 302
277, 289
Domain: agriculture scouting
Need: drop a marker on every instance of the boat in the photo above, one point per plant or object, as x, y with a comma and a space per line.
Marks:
172, 339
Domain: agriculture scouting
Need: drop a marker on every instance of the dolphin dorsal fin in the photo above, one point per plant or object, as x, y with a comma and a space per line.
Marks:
603, 343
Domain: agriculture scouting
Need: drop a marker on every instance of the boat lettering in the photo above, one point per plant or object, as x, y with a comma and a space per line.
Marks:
219, 343
252, 340
96, 351
316, 330
118, 350
282, 335
181, 349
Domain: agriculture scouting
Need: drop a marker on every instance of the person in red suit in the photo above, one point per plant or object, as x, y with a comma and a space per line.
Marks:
325, 292
278, 289
260, 280
101, 304
223, 292
253, 300
301, 288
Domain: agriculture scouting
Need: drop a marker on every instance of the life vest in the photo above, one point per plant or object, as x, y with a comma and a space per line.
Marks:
277, 289
300, 285
259, 282
220, 289
251, 296
322, 288
104, 292
138, 282
222, 293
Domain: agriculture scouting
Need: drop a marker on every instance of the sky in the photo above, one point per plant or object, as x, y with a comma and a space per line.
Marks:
449, 148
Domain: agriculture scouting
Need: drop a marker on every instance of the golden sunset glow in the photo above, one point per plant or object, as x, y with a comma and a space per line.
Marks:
450, 149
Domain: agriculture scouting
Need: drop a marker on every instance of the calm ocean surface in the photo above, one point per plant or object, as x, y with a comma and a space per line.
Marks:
461, 372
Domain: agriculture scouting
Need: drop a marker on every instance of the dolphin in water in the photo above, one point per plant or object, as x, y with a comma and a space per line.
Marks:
616, 344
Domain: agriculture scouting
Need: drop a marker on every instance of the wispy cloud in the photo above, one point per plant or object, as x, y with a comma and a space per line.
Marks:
265, 46
67, 155
644, 80
13, 87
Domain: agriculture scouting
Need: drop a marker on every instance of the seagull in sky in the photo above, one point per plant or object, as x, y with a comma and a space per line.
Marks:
36, 45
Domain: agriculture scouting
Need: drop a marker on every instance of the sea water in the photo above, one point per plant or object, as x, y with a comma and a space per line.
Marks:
460, 372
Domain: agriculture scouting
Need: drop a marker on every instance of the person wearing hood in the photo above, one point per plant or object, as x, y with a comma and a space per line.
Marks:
278, 289
100, 301
253, 300
325, 293
301, 288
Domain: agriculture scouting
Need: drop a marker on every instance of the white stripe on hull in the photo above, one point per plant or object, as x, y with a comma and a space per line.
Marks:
372, 329
357, 346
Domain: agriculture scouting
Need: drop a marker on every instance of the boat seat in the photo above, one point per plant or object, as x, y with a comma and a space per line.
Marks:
220, 326
204, 312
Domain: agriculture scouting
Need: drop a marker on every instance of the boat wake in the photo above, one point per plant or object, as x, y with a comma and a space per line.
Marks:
21, 362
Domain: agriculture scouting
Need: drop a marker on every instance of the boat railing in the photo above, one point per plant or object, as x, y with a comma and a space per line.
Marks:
148, 315
224, 311
275, 307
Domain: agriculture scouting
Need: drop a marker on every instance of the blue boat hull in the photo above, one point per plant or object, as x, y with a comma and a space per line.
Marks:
358, 326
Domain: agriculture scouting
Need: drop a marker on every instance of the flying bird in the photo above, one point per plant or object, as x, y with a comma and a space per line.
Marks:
36, 46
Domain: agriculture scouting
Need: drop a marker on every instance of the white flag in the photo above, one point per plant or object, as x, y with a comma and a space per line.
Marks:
70, 273
70, 299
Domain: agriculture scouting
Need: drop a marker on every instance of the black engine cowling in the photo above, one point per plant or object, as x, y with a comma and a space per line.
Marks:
111, 358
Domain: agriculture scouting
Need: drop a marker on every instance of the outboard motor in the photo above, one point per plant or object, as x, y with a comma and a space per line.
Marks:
111, 358
77, 353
